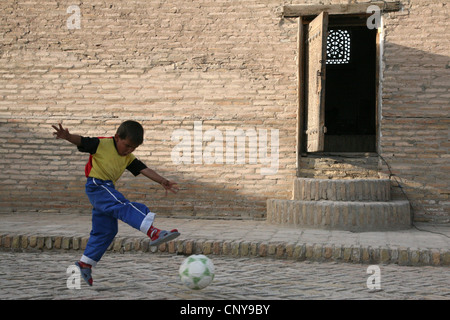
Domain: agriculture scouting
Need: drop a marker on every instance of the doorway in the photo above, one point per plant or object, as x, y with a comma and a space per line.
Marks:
338, 84
350, 94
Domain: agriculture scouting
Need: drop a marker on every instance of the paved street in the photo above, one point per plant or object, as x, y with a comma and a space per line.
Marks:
35, 275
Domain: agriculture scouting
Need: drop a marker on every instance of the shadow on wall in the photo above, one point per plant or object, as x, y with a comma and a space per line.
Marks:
415, 126
43, 174
414, 130
40, 173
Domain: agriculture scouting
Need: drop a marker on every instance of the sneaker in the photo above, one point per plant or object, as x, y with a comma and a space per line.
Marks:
160, 236
86, 273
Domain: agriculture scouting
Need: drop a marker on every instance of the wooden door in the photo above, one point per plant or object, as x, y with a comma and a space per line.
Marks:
315, 66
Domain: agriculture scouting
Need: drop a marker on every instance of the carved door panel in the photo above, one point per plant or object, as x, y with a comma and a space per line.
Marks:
315, 66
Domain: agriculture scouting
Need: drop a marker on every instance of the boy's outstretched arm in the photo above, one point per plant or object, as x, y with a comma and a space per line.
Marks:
168, 185
62, 133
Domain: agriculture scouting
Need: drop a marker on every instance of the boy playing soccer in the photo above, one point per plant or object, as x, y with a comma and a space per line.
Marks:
109, 157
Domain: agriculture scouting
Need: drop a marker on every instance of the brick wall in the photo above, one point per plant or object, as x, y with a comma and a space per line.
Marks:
415, 111
226, 65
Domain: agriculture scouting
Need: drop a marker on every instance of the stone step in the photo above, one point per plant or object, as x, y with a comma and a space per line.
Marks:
310, 189
355, 216
338, 166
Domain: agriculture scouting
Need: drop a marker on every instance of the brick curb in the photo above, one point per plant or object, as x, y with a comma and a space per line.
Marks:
277, 250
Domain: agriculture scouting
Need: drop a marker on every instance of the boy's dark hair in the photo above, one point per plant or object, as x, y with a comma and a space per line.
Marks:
132, 130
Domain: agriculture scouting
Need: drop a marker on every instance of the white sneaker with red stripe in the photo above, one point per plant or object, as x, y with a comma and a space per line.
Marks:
85, 271
158, 236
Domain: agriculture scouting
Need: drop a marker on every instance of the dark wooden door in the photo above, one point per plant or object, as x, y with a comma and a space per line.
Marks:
315, 66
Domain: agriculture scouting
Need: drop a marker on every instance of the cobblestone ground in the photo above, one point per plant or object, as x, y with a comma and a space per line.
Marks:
144, 276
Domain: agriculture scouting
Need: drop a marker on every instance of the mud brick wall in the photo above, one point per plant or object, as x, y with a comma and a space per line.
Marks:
179, 65
415, 105
225, 65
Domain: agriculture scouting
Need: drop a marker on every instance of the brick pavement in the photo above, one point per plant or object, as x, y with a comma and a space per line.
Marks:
42, 275
236, 238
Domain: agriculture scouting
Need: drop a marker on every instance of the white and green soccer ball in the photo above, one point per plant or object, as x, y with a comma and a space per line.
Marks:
197, 272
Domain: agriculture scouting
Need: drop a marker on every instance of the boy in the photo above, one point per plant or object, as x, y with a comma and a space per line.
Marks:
109, 157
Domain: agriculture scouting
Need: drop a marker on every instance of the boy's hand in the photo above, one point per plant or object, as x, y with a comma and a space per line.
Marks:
170, 186
61, 133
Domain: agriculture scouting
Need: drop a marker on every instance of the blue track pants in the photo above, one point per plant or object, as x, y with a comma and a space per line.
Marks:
108, 206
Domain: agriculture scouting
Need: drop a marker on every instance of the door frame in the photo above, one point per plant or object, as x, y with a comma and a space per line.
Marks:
301, 81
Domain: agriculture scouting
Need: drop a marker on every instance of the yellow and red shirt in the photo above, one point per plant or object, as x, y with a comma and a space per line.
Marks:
105, 163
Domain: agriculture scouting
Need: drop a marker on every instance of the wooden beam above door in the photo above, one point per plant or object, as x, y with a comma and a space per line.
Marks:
290, 11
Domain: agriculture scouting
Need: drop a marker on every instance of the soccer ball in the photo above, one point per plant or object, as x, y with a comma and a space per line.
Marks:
196, 272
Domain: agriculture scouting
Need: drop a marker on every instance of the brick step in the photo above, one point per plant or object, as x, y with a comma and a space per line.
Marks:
350, 166
356, 216
310, 189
